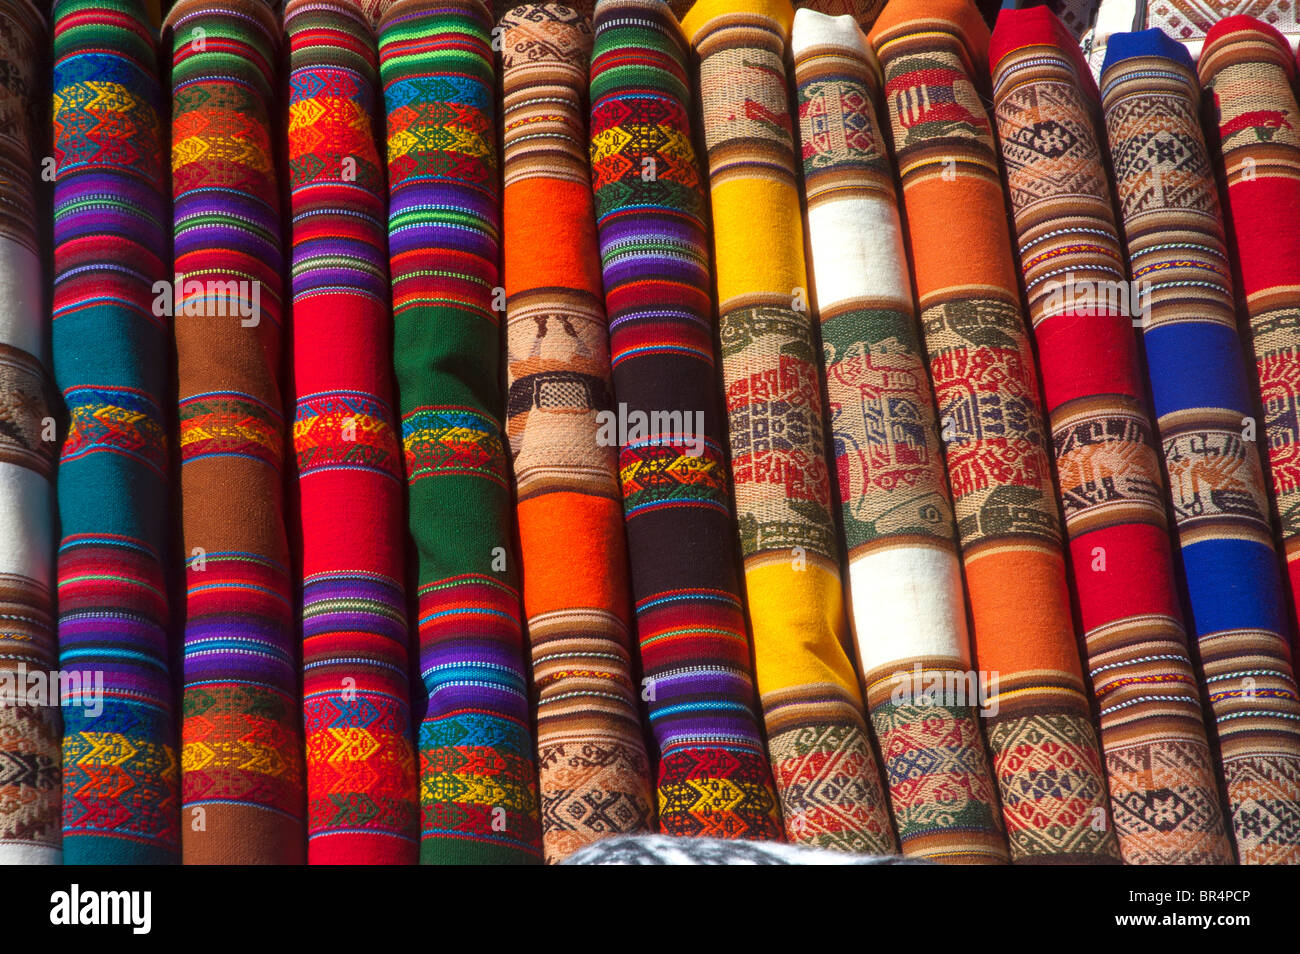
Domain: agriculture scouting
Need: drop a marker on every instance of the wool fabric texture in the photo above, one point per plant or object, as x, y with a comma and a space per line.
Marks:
826, 772
360, 758
713, 779
241, 735
121, 776
478, 775
1201, 394
905, 589
1075, 16
374, 10
1037, 717
29, 717
1163, 794
863, 11
593, 771
1247, 68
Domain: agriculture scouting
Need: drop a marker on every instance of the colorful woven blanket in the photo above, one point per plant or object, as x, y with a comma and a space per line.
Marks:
361, 795
1247, 68
241, 761
826, 772
121, 773
1163, 794
478, 777
593, 772
905, 588
1036, 714
1203, 407
29, 718
714, 778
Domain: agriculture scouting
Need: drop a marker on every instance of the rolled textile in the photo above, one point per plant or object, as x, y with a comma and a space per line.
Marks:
1037, 716
121, 774
241, 735
826, 773
478, 775
714, 778
1186, 21
29, 716
904, 579
1075, 16
361, 793
1199, 383
501, 8
1163, 794
593, 771
863, 11
1247, 68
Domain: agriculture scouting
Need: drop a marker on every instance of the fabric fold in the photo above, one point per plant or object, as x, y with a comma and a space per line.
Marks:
826, 772
241, 735
713, 779
1036, 714
361, 791
478, 773
121, 777
30, 785
1163, 793
1201, 392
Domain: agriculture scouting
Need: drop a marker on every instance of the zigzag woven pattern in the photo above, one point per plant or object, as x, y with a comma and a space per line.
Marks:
121, 775
714, 778
1163, 794
1247, 67
361, 791
241, 736
29, 719
826, 772
1038, 723
594, 775
478, 779
1202, 401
